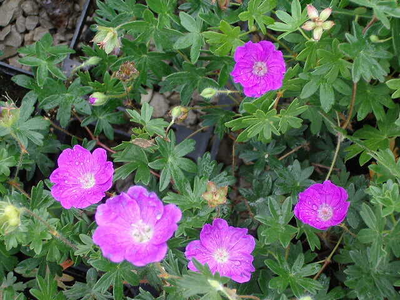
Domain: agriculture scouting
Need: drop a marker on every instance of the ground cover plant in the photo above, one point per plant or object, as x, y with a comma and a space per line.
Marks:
100, 200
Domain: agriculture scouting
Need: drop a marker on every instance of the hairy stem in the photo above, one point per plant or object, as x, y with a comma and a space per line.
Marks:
352, 103
328, 259
51, 229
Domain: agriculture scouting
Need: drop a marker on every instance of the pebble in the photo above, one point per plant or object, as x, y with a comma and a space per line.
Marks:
14, 39
20, 24
30, 8
31, 22
145, 98
7, 11
3, 33
8, 52
160, 105
39, 33
28, 38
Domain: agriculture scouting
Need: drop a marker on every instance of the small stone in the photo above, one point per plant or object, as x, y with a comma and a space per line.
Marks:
14, 39
5, 32
77, 7
39, 33
30, 8
46, 24
28, 38
31, 22
191, 118
59, 37
7, 11
14, 62
43, 14
8, 52
20, 24
160, 105
145, 98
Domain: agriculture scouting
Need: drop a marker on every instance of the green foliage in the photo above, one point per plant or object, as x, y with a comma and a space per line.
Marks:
290, 23
294, 275
172, 162
262, 121
44, 58
256, 11
225, 42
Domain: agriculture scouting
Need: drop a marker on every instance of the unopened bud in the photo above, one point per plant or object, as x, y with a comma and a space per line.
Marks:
215, 196
312, 12
360, 10
97, 99
208, 93
10, 217
324, 15
374, 38
94, 60
179, 113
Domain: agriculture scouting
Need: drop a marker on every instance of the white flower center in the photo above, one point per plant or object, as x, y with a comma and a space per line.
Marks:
88, 181
325, 212
141, 232
221, 255
260, 68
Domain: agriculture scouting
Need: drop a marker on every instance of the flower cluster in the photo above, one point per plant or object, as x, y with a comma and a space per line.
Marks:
322, 205
82, 178
259, 68
139, 226
318, 22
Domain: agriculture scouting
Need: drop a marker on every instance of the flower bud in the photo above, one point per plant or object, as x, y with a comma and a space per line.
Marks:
309, 25
317, 33
325, 14
312, 12
208, 93
179, 113
97, 99
374, 38
10, 217
215, 196
327, 25
107, 39
94, 60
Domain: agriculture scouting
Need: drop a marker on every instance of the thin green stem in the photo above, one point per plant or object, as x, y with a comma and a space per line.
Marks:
335, 156
184, 56
51, 229
281, 43
352, 103
303, 34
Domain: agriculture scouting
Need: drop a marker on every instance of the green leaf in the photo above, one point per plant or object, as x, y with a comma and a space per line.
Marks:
365, 55
226, 42
289, 116
290, 23
256, 11
173, 164
294, 275
394, 84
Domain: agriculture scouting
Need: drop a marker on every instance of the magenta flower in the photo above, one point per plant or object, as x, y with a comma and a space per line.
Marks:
135, 226
226, 250
322, 205
259, 68
82, 178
